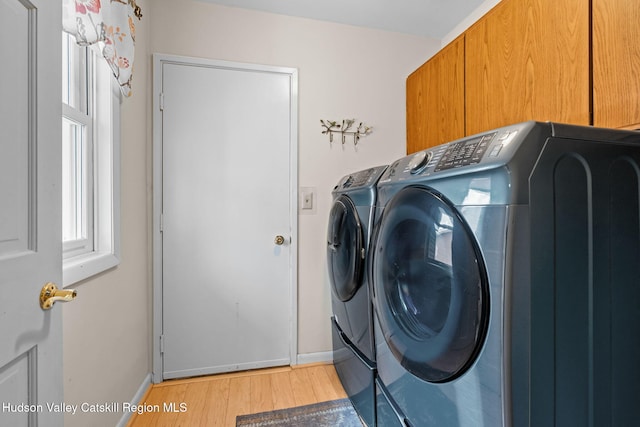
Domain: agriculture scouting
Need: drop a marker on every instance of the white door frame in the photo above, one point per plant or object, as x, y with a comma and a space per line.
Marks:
158, 61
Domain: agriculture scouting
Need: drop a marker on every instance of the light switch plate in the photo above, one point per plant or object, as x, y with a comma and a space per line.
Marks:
307, 200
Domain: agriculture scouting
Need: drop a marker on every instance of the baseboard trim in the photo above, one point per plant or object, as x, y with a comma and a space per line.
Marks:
137, 398
320, 357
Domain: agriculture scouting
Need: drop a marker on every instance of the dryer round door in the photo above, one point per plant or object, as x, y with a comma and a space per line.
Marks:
345, 249
430, 285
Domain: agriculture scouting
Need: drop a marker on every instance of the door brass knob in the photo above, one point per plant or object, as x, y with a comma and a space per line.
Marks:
50, 294
279, 240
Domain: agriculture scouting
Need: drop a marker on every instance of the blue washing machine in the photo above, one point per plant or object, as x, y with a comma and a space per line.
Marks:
505, 270
348, 237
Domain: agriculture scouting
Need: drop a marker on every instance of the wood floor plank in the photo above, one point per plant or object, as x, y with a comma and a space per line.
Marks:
193, 407
302, 388
321, 384
281, 390
218, 402
215, 401
239, 399
261, 399
171, 399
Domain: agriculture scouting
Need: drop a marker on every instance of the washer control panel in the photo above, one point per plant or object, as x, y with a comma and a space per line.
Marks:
489, 148
364, 178
464, 153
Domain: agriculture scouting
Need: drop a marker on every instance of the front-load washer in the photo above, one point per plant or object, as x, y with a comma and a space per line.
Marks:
505, 270
348, 236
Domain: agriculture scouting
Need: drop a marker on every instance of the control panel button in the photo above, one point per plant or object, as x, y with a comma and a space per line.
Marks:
419, 161
495, 150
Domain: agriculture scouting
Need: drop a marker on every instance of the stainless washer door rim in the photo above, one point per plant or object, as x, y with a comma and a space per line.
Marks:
430, 286
345, 246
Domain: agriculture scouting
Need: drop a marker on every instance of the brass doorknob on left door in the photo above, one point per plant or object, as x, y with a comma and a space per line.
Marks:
279, 240
51, 294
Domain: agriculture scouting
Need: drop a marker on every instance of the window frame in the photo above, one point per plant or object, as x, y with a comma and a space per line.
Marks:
104, 252
84, 212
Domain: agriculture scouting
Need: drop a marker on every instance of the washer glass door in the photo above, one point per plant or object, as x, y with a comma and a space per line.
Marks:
430, 285
344, 249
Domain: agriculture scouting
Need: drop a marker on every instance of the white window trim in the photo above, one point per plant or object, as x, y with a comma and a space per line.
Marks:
106, 253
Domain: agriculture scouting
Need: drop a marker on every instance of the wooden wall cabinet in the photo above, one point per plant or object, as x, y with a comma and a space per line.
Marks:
528, 60
616, 63
435, 99
531, 60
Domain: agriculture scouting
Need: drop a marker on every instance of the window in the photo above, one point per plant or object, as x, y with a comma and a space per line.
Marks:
90, 163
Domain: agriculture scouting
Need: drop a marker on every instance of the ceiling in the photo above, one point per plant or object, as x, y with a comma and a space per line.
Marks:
426, 18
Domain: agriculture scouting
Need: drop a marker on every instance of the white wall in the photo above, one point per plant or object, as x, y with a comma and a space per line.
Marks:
344, 72
107, 328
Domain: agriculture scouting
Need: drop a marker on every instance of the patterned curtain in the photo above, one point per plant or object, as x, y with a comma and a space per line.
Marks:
108, 25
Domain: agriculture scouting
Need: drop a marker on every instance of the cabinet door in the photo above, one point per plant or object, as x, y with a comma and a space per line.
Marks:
528, 60
616, 63
435, 99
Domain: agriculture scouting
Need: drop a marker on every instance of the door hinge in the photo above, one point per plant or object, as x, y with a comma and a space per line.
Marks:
161, 223
161, 101
161, 344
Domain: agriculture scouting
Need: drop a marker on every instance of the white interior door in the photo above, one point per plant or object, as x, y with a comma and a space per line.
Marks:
30, 211
227, 135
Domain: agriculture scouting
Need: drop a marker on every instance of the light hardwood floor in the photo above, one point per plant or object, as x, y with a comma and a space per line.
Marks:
216, 400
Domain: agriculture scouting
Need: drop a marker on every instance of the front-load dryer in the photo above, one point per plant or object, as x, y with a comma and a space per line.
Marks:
348, 236
505, 271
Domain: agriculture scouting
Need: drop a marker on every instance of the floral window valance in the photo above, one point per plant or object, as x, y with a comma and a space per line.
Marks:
109, 25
